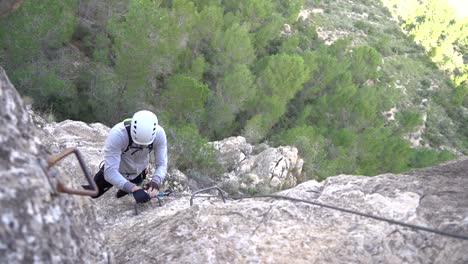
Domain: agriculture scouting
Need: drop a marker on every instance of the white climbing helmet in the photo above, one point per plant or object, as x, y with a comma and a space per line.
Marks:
143, 129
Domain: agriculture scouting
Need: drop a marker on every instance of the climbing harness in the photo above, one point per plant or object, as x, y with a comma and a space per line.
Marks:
390, 221
60, 186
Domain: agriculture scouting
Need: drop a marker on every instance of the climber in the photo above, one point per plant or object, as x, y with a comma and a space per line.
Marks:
126, 158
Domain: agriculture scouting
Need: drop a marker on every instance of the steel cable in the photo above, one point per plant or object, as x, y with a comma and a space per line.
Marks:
379, 218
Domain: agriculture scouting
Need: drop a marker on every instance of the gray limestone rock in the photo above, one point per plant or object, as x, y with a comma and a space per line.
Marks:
36, 226
261, 167
232, 151
267, 230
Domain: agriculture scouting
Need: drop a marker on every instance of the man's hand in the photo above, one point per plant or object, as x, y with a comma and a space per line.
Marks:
141, 196
153, 188
134, 188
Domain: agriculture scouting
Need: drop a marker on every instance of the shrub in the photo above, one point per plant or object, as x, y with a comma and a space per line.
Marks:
188, 150
425, 157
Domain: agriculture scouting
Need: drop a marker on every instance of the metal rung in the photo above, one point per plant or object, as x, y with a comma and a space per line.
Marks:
60, 185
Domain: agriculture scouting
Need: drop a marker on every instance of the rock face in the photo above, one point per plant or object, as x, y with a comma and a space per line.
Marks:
36, 226
267, 230
281, 231
258, 167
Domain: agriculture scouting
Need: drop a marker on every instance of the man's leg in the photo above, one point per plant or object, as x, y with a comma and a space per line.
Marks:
101, 183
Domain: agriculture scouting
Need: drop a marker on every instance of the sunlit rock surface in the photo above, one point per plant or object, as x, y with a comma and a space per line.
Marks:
260, 166
36, 226
276, 231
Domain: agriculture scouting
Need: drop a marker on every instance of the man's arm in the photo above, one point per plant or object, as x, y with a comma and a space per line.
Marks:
115, 143
160, 156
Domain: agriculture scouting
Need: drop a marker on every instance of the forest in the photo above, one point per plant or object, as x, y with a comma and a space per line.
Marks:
212, 69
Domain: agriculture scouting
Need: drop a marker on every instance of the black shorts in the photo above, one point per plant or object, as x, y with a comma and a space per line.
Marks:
104, 186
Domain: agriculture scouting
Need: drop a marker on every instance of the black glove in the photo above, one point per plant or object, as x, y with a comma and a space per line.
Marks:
152, 185
141, 196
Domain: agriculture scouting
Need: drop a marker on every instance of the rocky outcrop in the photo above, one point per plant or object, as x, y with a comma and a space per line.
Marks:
36, 226
260, 167
280, 231
39, 227
249, 167
267, 230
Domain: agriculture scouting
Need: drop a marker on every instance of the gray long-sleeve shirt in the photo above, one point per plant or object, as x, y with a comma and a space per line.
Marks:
121, 167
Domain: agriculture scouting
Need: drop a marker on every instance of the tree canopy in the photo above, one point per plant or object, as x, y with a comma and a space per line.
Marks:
217, 68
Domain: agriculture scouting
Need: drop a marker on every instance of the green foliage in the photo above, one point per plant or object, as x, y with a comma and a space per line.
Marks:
460, 95
440, 129
341, 90
34, 28
232, 47
424, 157
367, 28
97, 87
256, 128
308, 36
134, 42
188, 150
208, 25
184, 98
101, 49
408, 119
197, 68
231, 97
436, 27
283, 75
311, 147
253, 12
289, 8
279, 80
28, 37
380, 152
50, 92
290, 45
383, 46
364, 61
367, 104
343, 104
216, 68
93, 43
264, 38
202, 4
